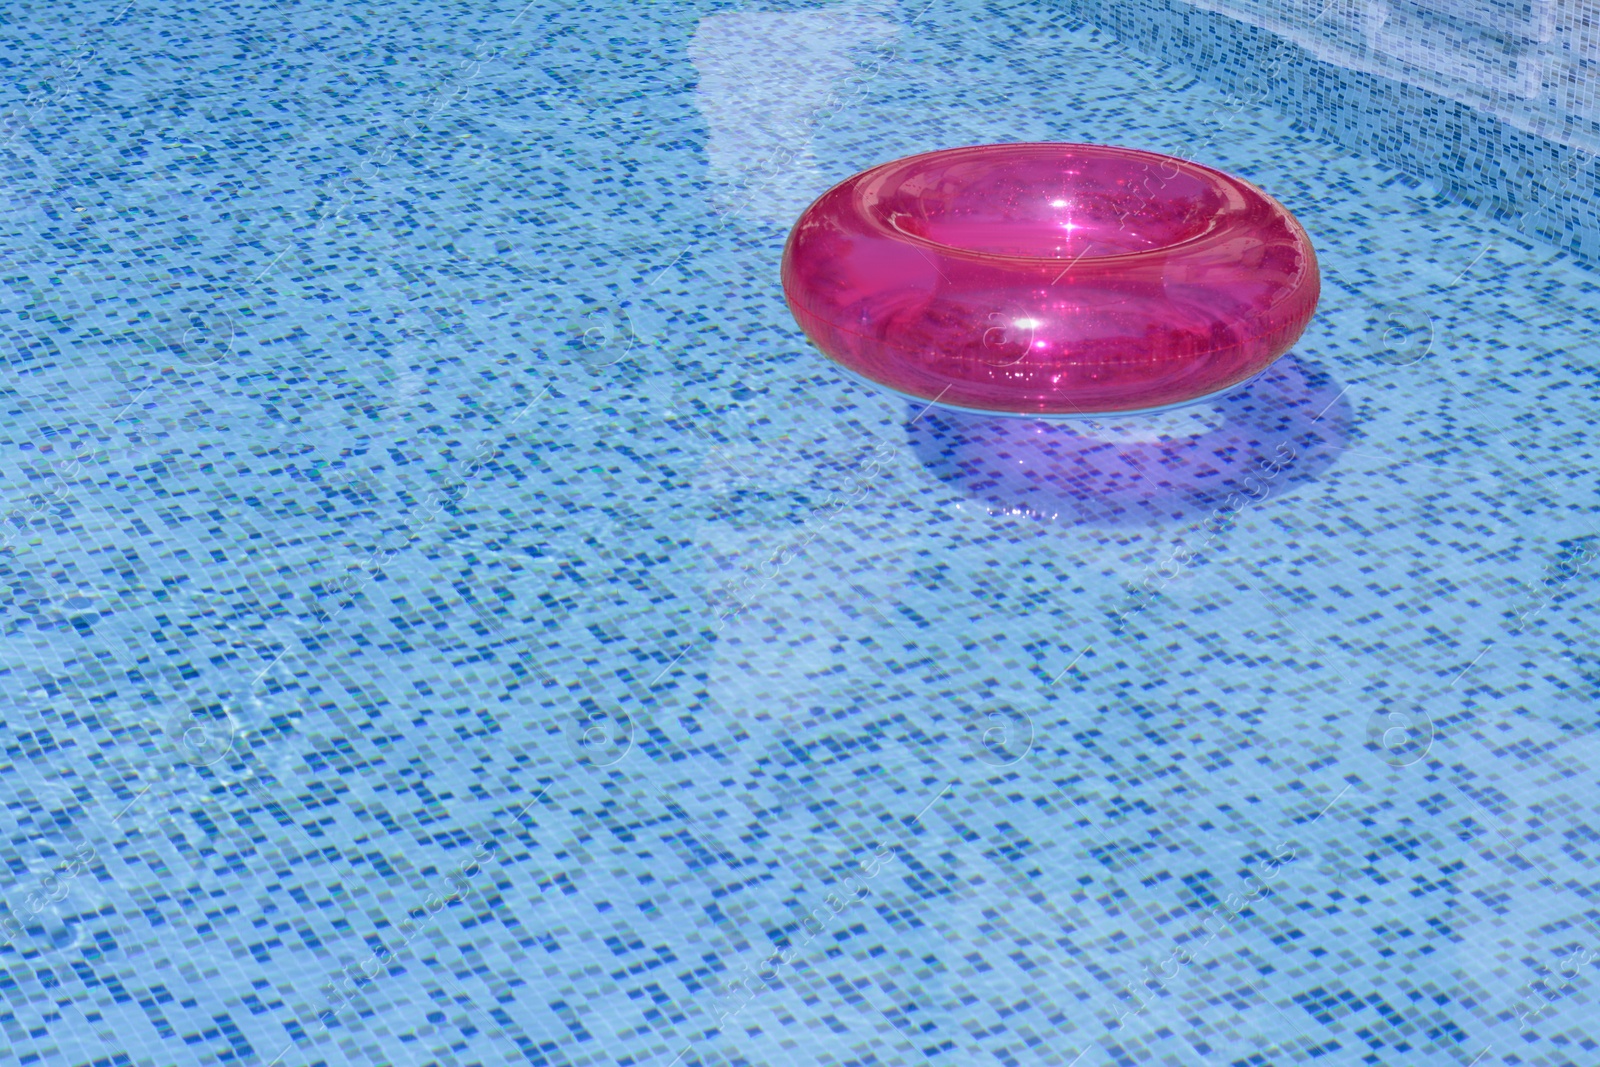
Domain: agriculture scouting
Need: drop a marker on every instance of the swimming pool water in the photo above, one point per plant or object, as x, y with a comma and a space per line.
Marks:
451, 617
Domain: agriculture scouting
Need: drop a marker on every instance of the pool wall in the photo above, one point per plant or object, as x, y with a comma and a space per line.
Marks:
1524, 151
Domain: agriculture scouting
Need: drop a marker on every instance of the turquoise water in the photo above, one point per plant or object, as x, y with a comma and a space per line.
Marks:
451, 615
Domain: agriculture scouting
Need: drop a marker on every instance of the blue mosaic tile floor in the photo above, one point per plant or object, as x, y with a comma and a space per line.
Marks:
451, 617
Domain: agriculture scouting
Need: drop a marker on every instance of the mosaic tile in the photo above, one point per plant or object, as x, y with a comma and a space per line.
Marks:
448, 615
1496, 105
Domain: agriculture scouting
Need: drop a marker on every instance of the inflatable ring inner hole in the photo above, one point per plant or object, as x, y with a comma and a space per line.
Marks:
1036, 209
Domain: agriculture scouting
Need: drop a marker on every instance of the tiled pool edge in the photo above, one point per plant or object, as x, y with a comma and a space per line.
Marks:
1549, 190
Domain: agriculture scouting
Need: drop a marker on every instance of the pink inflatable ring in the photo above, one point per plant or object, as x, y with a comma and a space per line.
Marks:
1050, 279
